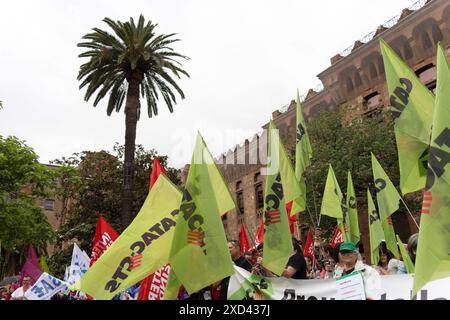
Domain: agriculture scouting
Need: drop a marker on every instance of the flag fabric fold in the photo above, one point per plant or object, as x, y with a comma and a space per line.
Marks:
412, 107
376, 233
433, 250
352, 215
199, 255
277, 237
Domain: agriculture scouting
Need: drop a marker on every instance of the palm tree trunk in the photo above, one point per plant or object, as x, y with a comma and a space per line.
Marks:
131, 117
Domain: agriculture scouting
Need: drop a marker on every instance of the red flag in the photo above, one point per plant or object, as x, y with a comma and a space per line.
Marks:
291, 219
309, 246
156, 171
337, 237
103, 239
245, 246
32, 267
151, 286
154, 286
260, 236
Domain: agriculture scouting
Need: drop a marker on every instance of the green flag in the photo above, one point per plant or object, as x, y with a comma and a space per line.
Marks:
388, 202
405, 256
303, 155
352, 215
433, 251
375, 230
412, 106
141, 249
332, 197
43, 264
277, 236
199, 255
292, 191
333, 203
172, 287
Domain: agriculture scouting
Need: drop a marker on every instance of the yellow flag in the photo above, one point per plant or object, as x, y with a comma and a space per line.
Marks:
140, 250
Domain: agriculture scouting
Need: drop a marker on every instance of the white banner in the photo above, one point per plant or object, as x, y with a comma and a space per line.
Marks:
394, 287
45, 287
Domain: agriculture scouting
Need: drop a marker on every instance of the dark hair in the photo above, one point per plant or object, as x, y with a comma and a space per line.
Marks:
248, 253
389, 255
235, 243
260, 247
297, 246
336, 252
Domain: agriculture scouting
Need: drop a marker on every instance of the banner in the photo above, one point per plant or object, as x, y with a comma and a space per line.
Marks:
140, 250
309, 246
45, 288
245, 286
32, 267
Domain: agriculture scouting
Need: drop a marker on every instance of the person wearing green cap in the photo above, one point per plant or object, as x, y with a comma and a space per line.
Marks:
348, 258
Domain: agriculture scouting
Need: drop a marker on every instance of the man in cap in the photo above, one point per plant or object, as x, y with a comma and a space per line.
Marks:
348, 258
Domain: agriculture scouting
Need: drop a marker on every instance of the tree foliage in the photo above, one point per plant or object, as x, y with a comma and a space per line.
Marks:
23, 180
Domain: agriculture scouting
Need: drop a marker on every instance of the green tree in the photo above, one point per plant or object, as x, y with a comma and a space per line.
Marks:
22, 181
131, 62
92, 183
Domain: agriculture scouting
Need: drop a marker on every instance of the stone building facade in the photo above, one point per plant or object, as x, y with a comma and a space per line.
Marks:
355, 81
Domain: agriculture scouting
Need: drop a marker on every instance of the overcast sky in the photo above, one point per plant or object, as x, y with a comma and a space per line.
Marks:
247, 59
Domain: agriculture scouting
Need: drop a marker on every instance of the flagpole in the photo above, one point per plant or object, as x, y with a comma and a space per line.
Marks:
248, 233
410, 213
310, 215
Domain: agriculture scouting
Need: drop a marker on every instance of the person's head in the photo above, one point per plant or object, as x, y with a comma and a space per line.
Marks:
329, 265
297, 245
385, 257
412, 246
235, 249
348, 254
248, 255
26, 282
309, 262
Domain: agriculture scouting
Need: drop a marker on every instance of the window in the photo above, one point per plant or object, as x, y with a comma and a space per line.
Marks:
49, 204
349, 84
373, 71
240, 198
426, 42
372, 101
259, 195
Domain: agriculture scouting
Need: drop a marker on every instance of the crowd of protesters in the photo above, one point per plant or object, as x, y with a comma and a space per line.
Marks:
327, 263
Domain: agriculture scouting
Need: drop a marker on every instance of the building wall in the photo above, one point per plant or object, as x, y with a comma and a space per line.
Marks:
363, 68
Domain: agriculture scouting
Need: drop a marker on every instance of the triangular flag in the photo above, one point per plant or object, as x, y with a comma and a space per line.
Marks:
31, 268
277, 237
309, 246
388, 202
43, 264
303, 155
199, 254
433, 249
156, 171
412, 106
104, 237
375, 230
352, 216
405, 256
337, 237
243, 239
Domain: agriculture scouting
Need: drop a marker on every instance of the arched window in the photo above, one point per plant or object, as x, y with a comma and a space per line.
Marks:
240, 198
350, 87
259, 195
373, 71
358, 81
426, 41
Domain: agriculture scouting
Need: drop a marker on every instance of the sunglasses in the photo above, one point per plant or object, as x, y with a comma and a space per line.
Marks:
346, 251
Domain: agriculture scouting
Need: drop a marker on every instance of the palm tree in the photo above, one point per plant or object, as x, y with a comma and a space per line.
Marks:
130, 62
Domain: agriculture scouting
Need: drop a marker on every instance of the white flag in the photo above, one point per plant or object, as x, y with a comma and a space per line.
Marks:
45, 288
79, 264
